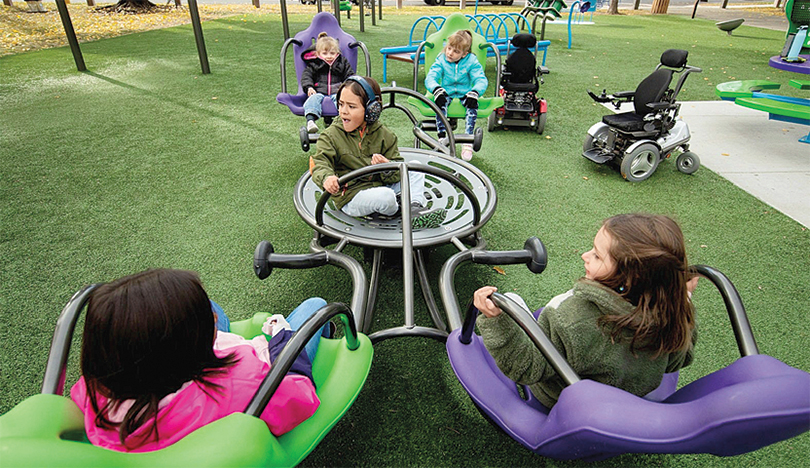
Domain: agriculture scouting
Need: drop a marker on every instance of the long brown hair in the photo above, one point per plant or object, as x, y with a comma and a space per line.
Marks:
651, 273
146, 335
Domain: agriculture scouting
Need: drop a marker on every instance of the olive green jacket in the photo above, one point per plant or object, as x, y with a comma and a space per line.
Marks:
570, 321
338, 153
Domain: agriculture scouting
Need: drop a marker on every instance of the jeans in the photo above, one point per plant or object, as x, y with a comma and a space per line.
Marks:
383, 200
297, 317
314, 104
469, 120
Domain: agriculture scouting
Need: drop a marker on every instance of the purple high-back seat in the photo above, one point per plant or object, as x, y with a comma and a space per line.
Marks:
322, 22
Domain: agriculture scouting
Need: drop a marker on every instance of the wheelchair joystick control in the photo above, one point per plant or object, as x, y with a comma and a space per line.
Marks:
261, 266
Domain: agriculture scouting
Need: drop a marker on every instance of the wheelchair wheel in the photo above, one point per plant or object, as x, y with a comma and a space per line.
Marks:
687, 162
641, 162
541, 123
598, 140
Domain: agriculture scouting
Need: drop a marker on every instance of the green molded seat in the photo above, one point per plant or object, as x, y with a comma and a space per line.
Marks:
48, 430
731, 90
800, 84
434, 45
786, 109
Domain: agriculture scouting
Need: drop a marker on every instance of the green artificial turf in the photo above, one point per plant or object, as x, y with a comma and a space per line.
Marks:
144, 162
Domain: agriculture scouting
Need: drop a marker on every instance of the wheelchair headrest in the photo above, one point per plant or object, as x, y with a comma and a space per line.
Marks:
674, 58
524, 40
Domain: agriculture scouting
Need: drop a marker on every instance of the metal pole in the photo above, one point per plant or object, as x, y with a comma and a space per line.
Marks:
407, 245
198, 36
71, 35
284, 24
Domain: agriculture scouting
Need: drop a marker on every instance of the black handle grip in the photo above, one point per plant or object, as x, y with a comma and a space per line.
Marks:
534, 255
264, 260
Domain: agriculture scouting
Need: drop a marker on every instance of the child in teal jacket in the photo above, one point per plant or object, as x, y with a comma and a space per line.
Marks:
457, 74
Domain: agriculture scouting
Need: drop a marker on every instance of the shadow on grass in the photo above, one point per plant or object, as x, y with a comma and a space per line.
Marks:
177, 102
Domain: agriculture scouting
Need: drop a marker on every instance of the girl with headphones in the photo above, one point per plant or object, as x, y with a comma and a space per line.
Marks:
357, 139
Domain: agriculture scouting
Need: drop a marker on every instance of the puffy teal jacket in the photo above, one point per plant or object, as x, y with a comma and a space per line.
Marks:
457, 78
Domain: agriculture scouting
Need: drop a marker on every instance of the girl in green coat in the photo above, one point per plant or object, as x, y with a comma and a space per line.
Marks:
625, 324
357, 139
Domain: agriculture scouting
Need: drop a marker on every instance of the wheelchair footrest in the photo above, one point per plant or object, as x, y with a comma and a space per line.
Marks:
597, 156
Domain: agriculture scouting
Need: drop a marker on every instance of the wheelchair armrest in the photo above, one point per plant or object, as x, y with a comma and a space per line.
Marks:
659, 106
541, 70
624, 95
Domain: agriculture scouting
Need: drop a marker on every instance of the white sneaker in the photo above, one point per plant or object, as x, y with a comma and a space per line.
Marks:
466, 152
312, 127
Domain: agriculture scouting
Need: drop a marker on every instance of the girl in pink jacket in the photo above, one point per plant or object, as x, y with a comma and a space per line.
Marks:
155, 368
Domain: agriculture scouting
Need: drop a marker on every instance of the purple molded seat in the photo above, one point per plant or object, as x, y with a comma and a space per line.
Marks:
753, 402
322, 22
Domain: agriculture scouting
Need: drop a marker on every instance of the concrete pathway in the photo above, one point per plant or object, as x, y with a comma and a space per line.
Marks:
761, 156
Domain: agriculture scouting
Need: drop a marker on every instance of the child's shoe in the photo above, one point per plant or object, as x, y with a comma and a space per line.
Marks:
312, 127
422, 218
466, 152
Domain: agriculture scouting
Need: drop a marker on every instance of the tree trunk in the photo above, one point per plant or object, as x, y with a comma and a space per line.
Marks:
130, 6
659, 7
613, 9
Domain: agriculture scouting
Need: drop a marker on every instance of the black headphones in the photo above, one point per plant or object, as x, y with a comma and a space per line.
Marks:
372, 104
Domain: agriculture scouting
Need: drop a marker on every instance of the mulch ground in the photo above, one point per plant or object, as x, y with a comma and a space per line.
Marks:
21, 31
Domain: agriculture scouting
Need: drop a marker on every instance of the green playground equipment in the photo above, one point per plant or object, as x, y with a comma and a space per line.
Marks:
433, 46
797, 40
47, 429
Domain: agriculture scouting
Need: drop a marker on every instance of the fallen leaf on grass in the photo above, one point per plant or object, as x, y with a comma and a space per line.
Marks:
499, 270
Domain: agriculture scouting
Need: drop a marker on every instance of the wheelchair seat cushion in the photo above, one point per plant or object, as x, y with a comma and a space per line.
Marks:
626, 121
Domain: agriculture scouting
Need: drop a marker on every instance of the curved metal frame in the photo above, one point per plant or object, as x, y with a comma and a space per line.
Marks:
534, 255
465, 227
295, 346
54, 380
473, 197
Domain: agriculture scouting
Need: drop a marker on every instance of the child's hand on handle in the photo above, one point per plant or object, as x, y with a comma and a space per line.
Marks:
440, 96
377, 158
692, 284
484, 304
330, 184
311, 91
471, 100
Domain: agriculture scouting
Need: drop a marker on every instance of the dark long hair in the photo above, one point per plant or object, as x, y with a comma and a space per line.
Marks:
651, 273
146, 335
